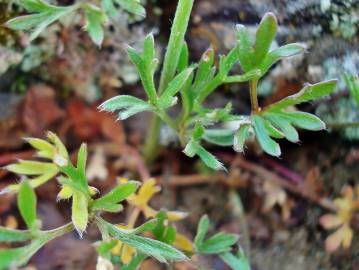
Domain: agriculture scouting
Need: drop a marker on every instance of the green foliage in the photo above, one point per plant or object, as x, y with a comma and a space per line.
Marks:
42, 14
27, 204
220, 244
195, 82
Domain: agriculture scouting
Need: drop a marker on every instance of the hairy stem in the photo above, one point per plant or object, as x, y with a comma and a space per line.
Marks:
178, 32
254, 96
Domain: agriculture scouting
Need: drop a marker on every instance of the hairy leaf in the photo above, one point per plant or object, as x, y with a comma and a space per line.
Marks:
308, 93
240, 137
202, 230
219, 243
284, 125
222, 137
79, 212
236, 262
245, 49
304, 120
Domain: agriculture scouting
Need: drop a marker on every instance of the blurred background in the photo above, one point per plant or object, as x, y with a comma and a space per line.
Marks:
56, 83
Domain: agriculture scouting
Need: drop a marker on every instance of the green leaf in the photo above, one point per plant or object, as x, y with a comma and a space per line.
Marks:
191, 148
132, 6
184, 58
81, 164
146, 71
125, 114
145, 227
60, 147
222, 137
167, 98
219, 243
36, 5
79, 212
265, 34
352, 82
16, 257
245, 49
268, 145
279, 53
204, 69
121, 102
210, 160
74, 185
109, 8
39, 21
46, 150
116, 195
10, 235
227, 62
238, 262
304, 120
284, 125
149, 49
34, 182
240, 138
160, 251
26, 202
28, 167
202, 230
308, 93
95, 18
272, 131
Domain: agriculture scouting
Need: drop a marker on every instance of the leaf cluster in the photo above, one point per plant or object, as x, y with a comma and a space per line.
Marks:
193, 83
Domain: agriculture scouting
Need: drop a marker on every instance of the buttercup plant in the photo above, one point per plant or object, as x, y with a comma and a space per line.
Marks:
122, 244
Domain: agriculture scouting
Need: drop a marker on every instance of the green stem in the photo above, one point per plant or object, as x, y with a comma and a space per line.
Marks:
176, 40
69, 227
253, 95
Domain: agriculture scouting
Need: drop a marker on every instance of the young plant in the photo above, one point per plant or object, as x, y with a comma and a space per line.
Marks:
195, 82
123, 245
44, 14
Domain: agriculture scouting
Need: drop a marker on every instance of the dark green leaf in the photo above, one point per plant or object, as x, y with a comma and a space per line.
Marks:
265, 34
27, 204
267, 144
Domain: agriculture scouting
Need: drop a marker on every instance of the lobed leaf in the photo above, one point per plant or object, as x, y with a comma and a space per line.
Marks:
116, 195
268, 145
219, 243
304, 120
26, 202
94, 20
308, 93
